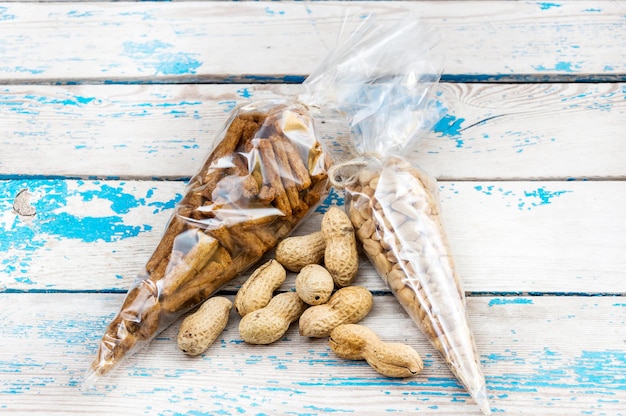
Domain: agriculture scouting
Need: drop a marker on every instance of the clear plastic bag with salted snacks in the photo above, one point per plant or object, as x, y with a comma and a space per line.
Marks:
267, 171
384, 93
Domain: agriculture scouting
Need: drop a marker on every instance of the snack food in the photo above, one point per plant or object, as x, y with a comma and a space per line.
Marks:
340, 256
314, 284
270, 323
199, 330
395, 209
391, 359
266, 172
347, 305
294, 253
257, 291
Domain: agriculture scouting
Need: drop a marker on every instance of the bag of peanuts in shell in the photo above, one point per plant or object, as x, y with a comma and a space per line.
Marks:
393, 204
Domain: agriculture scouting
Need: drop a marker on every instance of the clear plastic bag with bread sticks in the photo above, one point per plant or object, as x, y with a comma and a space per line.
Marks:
266, 172
392, 203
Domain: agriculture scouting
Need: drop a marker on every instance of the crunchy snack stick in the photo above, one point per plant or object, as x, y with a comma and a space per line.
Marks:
395, 210
264, 175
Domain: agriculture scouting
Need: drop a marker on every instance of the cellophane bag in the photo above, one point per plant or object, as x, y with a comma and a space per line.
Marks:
266, 172
383, 88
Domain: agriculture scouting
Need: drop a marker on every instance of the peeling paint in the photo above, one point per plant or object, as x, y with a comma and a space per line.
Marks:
548, 5
55, 206
510, 301
527, 199
157, 55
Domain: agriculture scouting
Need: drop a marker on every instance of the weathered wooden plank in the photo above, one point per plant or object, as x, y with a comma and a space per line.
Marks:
541, 355
511, 132
506, 236
194, 41
489, 131
117, 131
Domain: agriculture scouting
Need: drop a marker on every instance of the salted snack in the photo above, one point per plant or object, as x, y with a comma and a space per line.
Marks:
269, 323
263, 176
202, 328
391, 359
395, 210
258, 290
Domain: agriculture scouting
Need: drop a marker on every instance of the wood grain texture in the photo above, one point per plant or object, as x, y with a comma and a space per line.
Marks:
195, 41
489, 131
570, 361
105, 107
506, 236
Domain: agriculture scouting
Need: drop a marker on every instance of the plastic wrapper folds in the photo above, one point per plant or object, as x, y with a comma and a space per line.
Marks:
394, 205
265, 173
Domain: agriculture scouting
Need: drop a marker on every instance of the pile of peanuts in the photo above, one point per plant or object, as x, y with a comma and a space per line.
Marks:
325, 302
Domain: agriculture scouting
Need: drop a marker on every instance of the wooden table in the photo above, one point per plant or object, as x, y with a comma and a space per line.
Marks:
107, 108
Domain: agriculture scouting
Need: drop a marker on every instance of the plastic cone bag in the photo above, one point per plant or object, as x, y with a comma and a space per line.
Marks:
265, 173
394, 205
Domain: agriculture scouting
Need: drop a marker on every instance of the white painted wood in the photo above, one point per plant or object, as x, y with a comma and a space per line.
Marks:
506, 236
489, 131
540, 355
528, 131
541, 256
203, 41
